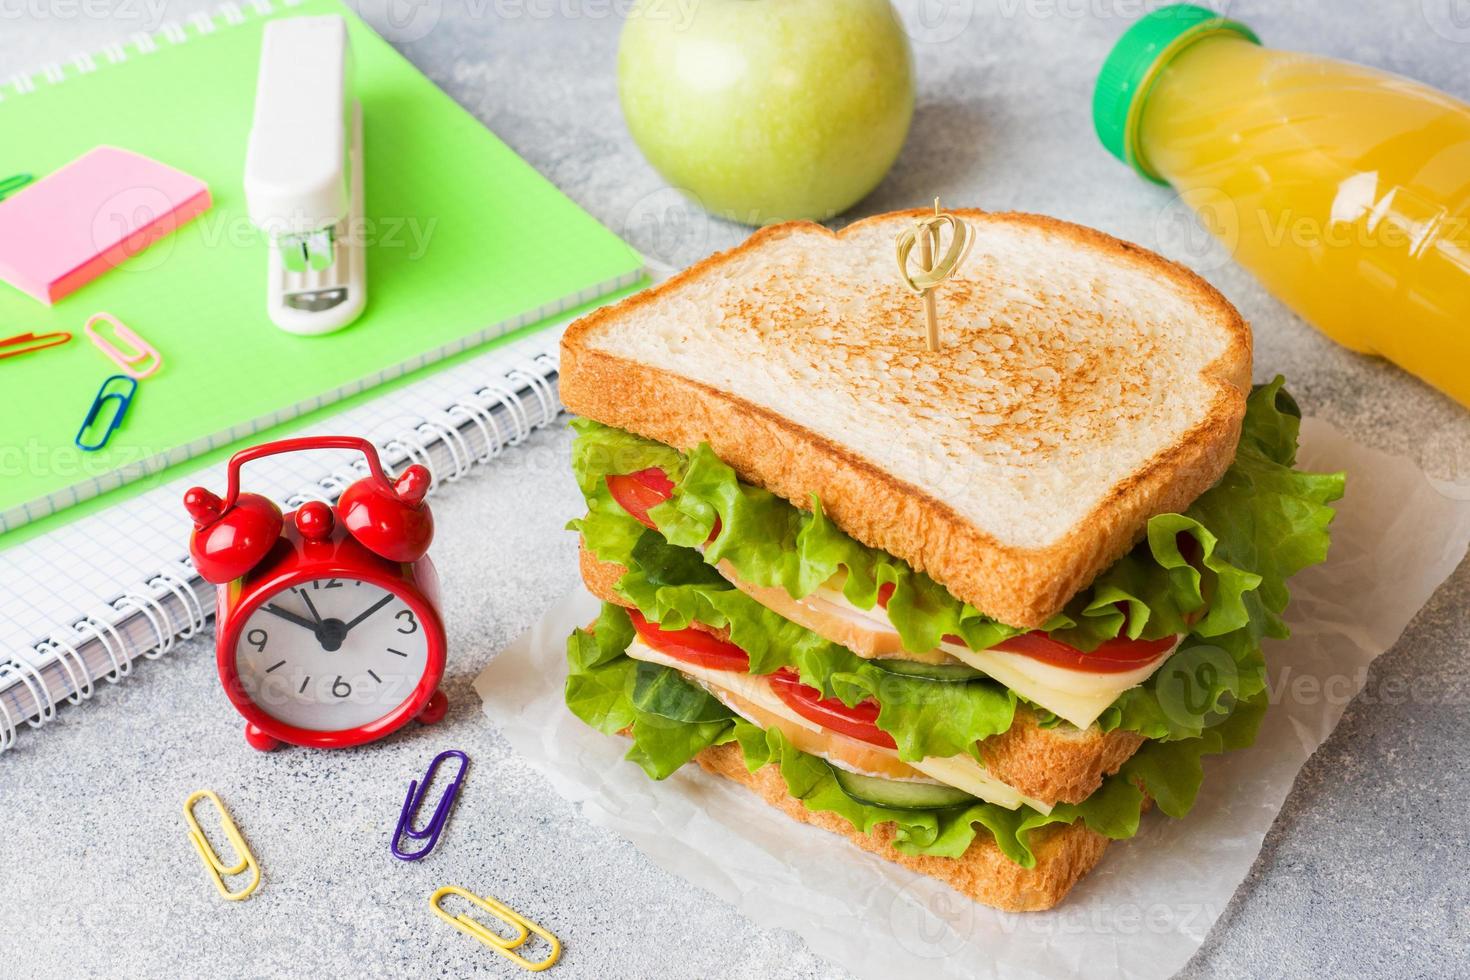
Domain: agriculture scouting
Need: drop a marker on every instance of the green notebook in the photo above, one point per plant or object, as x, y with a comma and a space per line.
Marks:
468, 243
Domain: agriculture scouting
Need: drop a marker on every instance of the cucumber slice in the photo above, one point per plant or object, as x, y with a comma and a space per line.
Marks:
898, 795
951, 673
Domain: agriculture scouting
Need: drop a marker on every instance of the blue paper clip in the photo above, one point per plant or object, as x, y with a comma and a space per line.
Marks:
99, 403
415, 799
10, 185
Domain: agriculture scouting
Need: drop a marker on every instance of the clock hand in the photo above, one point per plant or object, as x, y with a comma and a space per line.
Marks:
310, 607
375, 607
291, 617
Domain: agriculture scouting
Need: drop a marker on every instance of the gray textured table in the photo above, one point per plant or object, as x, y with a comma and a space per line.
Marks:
1366, 872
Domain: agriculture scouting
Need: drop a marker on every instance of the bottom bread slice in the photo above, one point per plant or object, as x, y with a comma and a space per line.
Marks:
1056, 765
1064, 853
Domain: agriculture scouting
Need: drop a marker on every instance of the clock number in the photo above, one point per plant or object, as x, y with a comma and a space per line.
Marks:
341, 688
413, 624
331, 583
257, 638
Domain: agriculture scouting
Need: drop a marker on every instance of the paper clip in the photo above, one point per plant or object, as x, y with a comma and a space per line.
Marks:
504, 945
99, 403
31, 342
212, 863
415, 799
139, 352
10, 185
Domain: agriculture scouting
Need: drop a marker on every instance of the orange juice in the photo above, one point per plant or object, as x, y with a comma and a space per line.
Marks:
1345, 189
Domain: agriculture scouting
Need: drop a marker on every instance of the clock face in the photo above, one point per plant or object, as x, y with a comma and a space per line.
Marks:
331, 654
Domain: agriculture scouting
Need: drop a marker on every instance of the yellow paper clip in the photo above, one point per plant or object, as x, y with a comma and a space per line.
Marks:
212, 863
504, 945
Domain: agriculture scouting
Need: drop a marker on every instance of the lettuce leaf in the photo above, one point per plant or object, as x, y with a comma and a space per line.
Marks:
1265, 516
670, 719
925, 717
1170, 772
1261, 523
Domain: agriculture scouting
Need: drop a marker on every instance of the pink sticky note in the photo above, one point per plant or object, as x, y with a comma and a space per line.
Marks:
97, 211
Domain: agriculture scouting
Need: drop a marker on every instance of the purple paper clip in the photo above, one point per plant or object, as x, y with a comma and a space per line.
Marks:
415, 799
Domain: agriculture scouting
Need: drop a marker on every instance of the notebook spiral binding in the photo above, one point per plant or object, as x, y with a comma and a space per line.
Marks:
226, 14
175, 604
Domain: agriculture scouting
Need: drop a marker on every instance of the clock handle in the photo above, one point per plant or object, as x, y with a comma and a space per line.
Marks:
387, 517
375, 465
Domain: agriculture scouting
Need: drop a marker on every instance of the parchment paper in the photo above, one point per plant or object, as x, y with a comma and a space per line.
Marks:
1149, 904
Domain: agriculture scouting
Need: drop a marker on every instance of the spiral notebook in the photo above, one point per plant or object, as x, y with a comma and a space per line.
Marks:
97, 576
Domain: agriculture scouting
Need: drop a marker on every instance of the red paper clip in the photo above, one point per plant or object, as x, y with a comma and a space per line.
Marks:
29, 343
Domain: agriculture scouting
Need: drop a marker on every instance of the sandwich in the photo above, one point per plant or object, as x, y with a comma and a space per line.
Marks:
975, 609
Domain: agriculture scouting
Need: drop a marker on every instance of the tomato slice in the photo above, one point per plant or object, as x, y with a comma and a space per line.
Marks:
691, 646
637, 492
701, 649
857, 722
1115, 656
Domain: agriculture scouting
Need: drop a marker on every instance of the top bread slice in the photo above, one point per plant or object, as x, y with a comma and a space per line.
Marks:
1083, 385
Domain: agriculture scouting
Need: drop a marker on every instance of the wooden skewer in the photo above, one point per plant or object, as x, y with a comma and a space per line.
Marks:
926, 259
933, 269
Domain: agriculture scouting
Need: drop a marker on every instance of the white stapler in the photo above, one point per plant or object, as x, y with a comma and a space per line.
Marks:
303, 175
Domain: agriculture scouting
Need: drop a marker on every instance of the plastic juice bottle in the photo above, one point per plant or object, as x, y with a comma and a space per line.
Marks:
1345, 189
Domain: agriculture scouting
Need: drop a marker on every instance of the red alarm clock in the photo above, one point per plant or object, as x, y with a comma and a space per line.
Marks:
327, 619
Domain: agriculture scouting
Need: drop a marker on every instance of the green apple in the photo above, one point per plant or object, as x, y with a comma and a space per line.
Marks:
767, 110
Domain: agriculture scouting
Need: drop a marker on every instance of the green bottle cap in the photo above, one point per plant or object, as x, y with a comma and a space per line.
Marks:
1133, 64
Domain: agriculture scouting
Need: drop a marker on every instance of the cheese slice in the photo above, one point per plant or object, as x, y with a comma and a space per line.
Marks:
1081, 705
1078, 696
961, 772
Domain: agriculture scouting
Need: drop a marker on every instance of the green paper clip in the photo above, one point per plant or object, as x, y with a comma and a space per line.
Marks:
10, 185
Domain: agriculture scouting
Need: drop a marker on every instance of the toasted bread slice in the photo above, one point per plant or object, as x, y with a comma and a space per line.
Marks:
1054, 765
1083, 385
1064, 853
